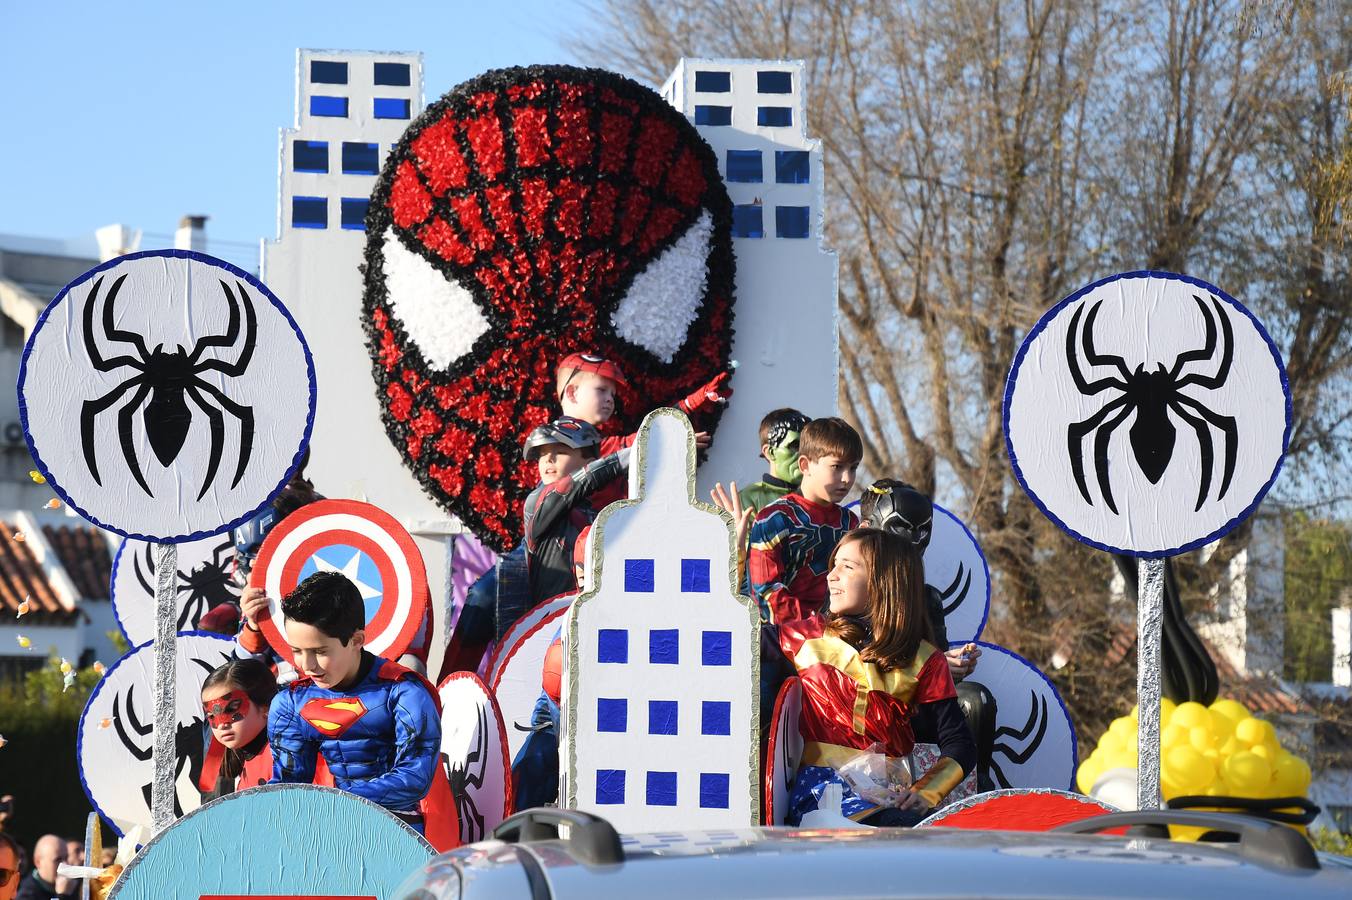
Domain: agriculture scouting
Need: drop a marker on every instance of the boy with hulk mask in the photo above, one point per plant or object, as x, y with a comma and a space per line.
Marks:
779, 432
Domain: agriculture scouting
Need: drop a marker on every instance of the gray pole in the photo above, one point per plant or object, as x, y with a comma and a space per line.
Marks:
166, 657
1149, 623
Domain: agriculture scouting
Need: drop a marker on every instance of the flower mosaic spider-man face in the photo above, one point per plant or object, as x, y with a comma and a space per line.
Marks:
528, 214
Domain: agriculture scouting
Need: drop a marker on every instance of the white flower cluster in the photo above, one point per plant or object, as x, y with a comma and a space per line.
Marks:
438, 314
664, 299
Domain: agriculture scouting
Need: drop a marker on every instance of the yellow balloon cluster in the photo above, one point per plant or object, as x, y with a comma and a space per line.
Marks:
1220, 750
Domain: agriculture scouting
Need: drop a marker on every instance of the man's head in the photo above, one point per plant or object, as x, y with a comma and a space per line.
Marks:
829, 451
10, 876
75, 853
48, 852
779, 434
562, 447
897, 508
326, 628
588, 387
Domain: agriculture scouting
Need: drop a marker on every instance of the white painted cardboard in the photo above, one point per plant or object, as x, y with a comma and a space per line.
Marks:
662, 642
474, 748
956, 568
1034, 737
205, 578
517, 684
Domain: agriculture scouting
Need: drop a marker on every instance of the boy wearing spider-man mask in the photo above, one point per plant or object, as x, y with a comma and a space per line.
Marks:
376, 724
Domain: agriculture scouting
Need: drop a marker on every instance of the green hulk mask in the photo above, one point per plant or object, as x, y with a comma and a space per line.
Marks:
784, 459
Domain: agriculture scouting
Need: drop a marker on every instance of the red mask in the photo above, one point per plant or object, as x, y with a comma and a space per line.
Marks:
227, 708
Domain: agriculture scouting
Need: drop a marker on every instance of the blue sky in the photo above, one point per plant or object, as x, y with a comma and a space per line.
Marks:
141, 112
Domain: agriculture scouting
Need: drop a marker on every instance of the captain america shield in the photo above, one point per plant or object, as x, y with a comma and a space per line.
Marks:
365, 544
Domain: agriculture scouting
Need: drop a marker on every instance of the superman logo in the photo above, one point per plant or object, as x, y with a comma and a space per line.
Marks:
332, 716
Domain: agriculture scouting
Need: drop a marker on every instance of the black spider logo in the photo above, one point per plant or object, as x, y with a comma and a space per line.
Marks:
1036, 726
468, 774
1152, 396
956, 592
207, 585
169, 379
189, 748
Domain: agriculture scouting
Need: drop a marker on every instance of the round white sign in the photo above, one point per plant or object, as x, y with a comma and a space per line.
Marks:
116, 737
166, 395
474, 747
1034, 743
1147, 413
956, 568
204, 581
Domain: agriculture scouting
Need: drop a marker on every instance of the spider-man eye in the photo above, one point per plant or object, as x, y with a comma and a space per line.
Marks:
664, 299
439, 316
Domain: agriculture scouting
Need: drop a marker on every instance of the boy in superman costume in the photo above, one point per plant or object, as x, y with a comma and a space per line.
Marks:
376, 724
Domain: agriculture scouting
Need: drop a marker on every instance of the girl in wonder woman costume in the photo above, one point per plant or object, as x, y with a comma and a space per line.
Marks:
870, 676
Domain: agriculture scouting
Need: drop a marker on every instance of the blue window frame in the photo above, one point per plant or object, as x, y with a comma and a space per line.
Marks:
695, 576
309, 212
774, 116
612, 714
390, 108
612, 645
609, 786
638, 576
392, 74
331, 107
354, 213
664, 646
661, 789
713, 115
713, 790
715, 717
792, 167
327, 72
791, 221
713, 82
360, 158
748, 221
716, 649
774, 82
744, 166
309, 156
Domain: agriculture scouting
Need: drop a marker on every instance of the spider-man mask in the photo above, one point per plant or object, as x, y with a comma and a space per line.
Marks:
528, 214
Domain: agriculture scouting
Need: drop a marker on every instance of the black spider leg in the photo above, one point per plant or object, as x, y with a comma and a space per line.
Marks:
953, 588
1211, 382
91, 409
1224, 424
111, 332
471, 819
1095, 358
132, 745
1037, 717
150, 566
246, 429
231, 335
1075, 435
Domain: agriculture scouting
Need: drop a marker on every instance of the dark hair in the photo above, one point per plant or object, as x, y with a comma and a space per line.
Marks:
786, 417
248, 675
20, 858
329, 602
896, 589
832, 436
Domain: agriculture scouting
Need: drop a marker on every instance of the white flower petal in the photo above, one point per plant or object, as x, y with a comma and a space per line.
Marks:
664, 298
439, 316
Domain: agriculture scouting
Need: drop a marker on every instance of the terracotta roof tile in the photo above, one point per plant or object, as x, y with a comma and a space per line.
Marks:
21, 576
83, 552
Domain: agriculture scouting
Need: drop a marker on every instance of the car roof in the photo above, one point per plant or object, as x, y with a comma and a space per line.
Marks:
931, 862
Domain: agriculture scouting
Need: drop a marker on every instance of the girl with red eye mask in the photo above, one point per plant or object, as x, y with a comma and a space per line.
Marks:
235, 701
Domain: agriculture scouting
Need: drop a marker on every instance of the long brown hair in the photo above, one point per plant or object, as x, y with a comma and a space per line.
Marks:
896, 589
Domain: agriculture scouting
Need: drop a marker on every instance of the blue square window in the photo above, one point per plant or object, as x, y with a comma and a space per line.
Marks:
360, 159
715, 717
638, 576
309, 212
393, 74
661, 788
309, 156
332, 107
664, 646
744, 166
391, 108
713, 82
791, 167
791, 221
612, 645
662, 716
612, 715
325, 72
717, 648
609, 786
713, 115
713, 790
774, 116
694, 576
354, 213
748, 221
774, 82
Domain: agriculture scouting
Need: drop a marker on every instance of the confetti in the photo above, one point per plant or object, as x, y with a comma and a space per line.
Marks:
20, 536
38, 477
23, 641
105, 722
25, 607
68, 682
52, 504
65, 666
99, 668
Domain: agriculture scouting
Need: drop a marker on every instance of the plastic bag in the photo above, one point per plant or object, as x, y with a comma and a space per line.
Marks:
877, 778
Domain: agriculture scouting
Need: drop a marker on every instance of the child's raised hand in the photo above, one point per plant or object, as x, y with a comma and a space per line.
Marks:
703, 440
253, 605
731, 501
702, 398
